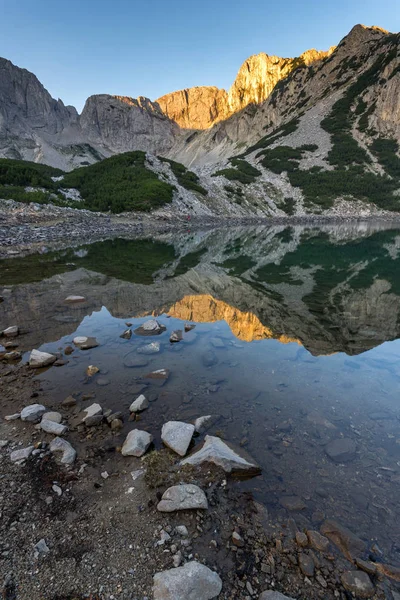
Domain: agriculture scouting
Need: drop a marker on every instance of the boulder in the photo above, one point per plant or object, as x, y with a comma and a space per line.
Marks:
358, 583
136, 443
11, 332
182, 497
177, 436
52, 427
52, 416
230, 459
341, 450
39, 359
85, 343
193, 581
150, 327
33, 413
139, 404
152, 348
68, 453
22, 454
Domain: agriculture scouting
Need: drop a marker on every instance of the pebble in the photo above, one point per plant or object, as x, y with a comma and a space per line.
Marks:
192, 581
22, 454
237, 540
69, 402
177, 435
301, 539
318, 541
32, 413
52, 427
12, 331
341, 450
13, 417
141, 403
136, 443
152, 348
306, 564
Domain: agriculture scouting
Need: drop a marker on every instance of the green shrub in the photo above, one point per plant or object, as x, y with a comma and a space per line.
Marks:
186, 178
24, 173
386, 151
244, 172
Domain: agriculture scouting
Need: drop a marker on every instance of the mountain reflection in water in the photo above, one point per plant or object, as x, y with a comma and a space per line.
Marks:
302, 327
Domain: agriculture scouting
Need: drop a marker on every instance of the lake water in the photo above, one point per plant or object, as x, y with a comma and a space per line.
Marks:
295, 346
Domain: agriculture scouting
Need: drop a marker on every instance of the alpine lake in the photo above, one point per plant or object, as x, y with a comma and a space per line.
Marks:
295, 353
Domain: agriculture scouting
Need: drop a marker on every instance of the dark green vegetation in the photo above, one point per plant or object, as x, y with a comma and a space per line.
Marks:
187, 262
386, 151
135, 261
120, 183
186, 178
272, 137
116, 184
244, 171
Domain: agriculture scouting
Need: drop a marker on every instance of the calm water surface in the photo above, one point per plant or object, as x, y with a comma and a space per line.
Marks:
295, 345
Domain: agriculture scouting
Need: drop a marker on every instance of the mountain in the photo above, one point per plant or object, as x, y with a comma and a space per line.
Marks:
315, 134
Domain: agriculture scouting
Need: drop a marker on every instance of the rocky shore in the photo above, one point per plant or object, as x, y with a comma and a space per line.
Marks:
90, 512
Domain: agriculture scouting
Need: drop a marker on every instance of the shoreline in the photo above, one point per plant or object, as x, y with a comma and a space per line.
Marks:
25, 229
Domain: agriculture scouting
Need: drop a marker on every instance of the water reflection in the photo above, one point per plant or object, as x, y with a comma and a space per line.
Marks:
296, 345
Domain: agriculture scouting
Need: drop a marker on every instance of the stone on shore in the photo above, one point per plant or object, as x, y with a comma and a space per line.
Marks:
52, 427
189, 326
52, 416
176, 336
39, 359
22, 454
152, 348
33, 413
13, 355
141, 403
183, 497
85, 343
69, 402
317, 541
341, 450
230, 459
11, 332
136, 443
193, 581
272, 595
93, 416
13, 417
177, 436
150, 327
68, 453
358, 583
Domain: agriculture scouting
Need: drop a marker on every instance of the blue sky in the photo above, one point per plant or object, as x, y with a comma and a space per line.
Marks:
151, 47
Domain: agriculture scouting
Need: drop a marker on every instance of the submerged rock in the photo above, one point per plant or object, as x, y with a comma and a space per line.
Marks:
182, 497
201, 424
193, 581
132, 361
188, 327
92, 370
292, 503
358, 583
351, 545
93, 415
230, 459
341, 450
33, 413
150, 327
136, 443
176, 336
39, 359
177, 436
152, 348
209, 358
68, 453
85, 343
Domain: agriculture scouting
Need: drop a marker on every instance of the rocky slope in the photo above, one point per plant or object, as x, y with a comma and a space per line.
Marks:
318, 133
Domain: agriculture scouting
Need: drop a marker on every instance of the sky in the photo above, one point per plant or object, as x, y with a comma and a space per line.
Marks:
151, 47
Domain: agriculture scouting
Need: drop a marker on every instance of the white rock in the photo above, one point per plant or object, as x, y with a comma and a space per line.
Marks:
3, 443
193, 581
138, 473
53, 427
136, 443
13, 417
39, 359
68, 453
11, 331
182, 497
85, 343
139, 404
52, 416
177, 436
41, 548
182, 530
32, 413
105, 475
93, 416
22, 454
56, 489
216, 451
